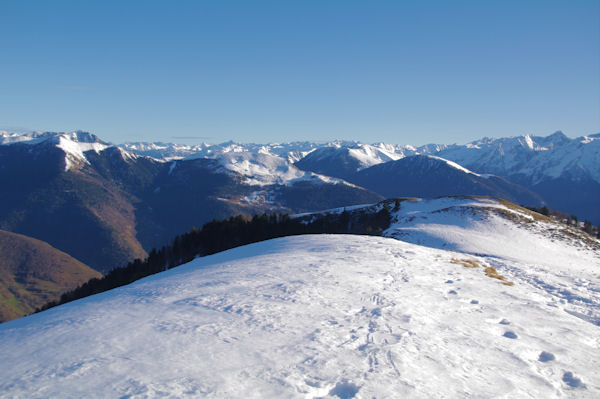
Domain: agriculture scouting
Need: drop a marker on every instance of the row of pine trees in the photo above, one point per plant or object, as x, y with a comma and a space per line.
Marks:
220, 235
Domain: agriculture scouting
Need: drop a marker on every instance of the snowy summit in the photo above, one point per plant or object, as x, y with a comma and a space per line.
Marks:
336, 316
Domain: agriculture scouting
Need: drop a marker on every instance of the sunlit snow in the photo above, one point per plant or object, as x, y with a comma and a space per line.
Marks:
315, 316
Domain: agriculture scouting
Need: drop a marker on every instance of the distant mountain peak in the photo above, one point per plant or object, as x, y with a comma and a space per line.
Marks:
81, 136
73, 144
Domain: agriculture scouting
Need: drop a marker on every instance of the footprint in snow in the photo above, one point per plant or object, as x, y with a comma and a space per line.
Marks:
452, 292
510, 334
474, 301
376, 312
344, 390
546, 357
572, 381
449, 281
504, 322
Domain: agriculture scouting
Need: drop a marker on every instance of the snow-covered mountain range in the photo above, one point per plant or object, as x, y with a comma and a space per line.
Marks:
562, 172
63, 188
77, 192
534, 156
480, 299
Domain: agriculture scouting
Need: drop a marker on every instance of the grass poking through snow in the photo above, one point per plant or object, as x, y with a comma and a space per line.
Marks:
468, 263
489, 271
493, 273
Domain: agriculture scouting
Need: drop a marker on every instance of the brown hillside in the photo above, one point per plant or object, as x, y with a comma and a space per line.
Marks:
33, 273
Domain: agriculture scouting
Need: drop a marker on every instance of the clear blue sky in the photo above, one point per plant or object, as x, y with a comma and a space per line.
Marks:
260, 71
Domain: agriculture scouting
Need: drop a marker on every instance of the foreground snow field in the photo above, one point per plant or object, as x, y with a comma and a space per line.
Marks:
315, 316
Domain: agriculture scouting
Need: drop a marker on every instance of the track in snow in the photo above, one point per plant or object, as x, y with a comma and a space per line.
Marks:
307, 316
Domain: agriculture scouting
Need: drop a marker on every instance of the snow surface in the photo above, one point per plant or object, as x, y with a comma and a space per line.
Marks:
317, 316
545, 254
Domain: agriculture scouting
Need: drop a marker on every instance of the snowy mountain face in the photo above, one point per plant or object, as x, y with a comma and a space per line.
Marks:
342, 161
338, 316
74, 145
260, 169
531, 157
563, 171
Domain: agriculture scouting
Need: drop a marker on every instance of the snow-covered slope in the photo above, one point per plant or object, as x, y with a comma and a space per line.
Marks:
260, 169
326, 315
560, 261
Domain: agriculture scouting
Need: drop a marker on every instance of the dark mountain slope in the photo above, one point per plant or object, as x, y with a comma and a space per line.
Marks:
106, 207
330, 161
76, 211
427, 176
186, 195
33, 273
194, 192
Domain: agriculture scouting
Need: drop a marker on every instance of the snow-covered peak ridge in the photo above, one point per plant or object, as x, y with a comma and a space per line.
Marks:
73, 144
526, 142
78, 136
533, 157
168, 151
369, 155
165, 151
451, 164
487, 155
342, 160
260, 169
10, 138
7, 138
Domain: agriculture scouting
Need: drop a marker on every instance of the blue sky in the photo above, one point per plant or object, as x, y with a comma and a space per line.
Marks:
261, 71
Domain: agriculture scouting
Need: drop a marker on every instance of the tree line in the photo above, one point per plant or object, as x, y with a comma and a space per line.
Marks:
220, 235
570, 220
